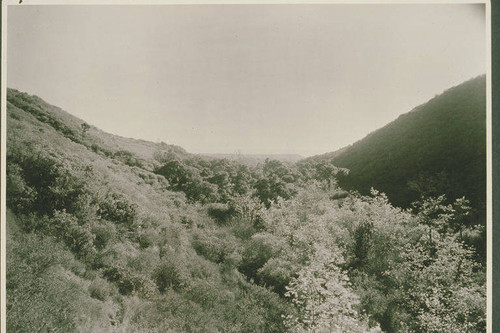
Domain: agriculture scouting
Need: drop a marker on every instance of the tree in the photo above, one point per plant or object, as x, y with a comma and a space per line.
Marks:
462, 210
323, 297
85, 127
444, 291
434, 213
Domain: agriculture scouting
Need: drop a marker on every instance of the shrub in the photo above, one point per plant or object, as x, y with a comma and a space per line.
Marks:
78, 238
171, 273
115, 207
147, 238
127, 158
20, 196
258, 251
202, 269
104, 232
101, 289
215, 246
221, 213
277, 273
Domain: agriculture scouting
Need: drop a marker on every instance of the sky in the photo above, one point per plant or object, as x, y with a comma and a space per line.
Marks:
256, 79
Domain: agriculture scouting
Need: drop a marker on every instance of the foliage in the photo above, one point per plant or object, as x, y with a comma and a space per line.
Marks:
116, 208
444, 292
45, 291
107, 234
323, 296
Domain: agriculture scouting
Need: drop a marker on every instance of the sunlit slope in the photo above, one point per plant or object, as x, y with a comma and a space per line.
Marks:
98, 242
437, 148
91, 137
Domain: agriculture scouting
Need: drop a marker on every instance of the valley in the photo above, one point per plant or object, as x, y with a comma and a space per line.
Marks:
113, 234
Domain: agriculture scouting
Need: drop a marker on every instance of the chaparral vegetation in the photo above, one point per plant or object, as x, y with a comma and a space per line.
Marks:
109, 234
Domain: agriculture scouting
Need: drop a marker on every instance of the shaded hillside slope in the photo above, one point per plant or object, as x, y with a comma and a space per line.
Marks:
437, 148
328, 156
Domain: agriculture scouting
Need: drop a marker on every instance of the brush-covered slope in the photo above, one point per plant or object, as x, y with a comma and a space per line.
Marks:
96, 242
130, 151
437, 148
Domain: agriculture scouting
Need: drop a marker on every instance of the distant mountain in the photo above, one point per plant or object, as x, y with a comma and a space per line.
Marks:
437, 148
253, 159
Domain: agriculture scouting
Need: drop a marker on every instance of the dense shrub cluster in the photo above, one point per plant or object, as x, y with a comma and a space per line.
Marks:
220, 180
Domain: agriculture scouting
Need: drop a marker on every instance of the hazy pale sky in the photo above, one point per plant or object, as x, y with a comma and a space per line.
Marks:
303, 79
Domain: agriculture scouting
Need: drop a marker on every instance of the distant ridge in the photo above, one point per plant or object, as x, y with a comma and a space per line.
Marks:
253, 159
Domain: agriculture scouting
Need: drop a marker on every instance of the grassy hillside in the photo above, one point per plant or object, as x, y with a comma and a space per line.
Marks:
437, 148
79, 132
88, 216
107, 234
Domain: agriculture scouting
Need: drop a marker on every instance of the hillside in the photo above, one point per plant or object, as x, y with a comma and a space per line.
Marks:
79, 132
102, 243
437, 148
328, 156
108, 234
